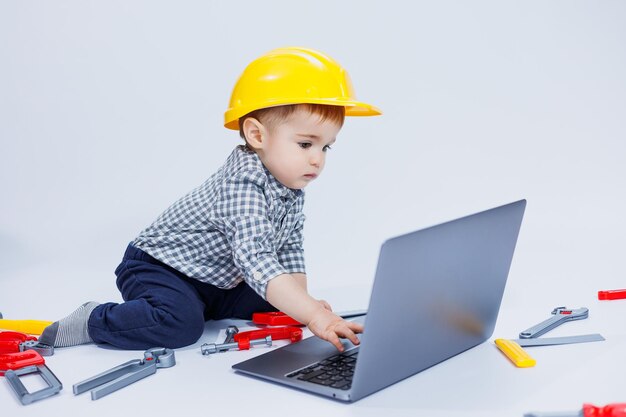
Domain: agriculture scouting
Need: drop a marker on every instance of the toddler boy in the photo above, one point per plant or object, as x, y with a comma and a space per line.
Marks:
233, 246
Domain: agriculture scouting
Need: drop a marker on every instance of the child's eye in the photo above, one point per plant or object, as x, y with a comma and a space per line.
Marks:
304, 145
327, 148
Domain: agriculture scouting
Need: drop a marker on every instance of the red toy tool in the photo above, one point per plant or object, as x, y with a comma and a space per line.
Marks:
264, 336
611, 410
18, 360
277, 333
612, 295
277, 318
244, 340
11, 342
589, 410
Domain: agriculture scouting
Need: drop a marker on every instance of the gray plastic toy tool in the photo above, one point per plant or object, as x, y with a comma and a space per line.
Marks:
560, 316
21, 361
126, 373
550, 341
25, 397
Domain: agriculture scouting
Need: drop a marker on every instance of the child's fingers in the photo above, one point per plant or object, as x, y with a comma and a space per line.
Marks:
332, 338
356, 327
345, 331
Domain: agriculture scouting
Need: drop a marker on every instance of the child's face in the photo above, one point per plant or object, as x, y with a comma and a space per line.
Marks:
295, 151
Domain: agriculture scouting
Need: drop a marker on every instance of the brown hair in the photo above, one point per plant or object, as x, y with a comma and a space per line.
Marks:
271, 117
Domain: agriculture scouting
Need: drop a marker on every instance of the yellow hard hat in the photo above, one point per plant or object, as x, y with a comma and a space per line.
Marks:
291, 76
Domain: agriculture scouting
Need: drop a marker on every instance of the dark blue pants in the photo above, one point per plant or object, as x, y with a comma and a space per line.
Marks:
163, 307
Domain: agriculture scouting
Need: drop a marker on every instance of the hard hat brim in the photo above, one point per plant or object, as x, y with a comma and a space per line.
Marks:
353, 108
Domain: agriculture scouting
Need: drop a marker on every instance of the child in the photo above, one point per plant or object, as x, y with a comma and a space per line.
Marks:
233, 246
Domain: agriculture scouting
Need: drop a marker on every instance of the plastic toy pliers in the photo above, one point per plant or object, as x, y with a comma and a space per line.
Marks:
126, 373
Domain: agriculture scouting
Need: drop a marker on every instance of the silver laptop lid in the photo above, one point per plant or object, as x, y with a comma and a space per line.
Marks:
436, 293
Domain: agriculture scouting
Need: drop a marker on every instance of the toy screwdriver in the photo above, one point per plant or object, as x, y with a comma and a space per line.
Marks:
589, 410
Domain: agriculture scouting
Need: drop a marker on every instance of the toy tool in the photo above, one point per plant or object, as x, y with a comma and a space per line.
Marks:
231, 331
560, 315
209, 348
551, 341
126, 373
515, 353
278, 318
26, 326
13, 365
589, 410
276, 333
612, 295
264, 336
11, 342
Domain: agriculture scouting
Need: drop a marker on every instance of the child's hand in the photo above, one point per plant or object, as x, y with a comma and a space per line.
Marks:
288, 295
325, 305
331, 327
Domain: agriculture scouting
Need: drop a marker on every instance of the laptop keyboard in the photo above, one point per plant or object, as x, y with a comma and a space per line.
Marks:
334, 372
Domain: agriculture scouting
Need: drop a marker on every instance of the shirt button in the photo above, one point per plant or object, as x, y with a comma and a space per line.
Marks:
257, 275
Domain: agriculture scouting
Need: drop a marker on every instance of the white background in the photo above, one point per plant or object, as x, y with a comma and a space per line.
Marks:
110, 111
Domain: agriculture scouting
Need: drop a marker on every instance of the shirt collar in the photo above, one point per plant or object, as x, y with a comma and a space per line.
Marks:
276, 188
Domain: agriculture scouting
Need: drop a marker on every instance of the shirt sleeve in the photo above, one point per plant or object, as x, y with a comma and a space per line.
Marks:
243, 212
291, 254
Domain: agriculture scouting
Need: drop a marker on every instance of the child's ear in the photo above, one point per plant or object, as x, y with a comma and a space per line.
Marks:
254, 132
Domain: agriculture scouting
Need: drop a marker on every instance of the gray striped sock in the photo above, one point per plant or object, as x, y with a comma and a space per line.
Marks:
71, 330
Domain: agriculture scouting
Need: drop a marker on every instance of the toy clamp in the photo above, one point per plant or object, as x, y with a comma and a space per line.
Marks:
294, 334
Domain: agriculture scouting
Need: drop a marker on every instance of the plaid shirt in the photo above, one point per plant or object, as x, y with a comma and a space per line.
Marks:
241, 224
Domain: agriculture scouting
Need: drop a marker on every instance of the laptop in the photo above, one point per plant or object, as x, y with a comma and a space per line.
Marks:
439, 287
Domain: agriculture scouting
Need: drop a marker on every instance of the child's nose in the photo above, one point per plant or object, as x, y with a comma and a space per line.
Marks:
316, 160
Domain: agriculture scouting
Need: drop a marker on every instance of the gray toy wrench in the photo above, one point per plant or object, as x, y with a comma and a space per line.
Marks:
560, 316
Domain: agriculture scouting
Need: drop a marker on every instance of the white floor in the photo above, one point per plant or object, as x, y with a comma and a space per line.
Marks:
480, 382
